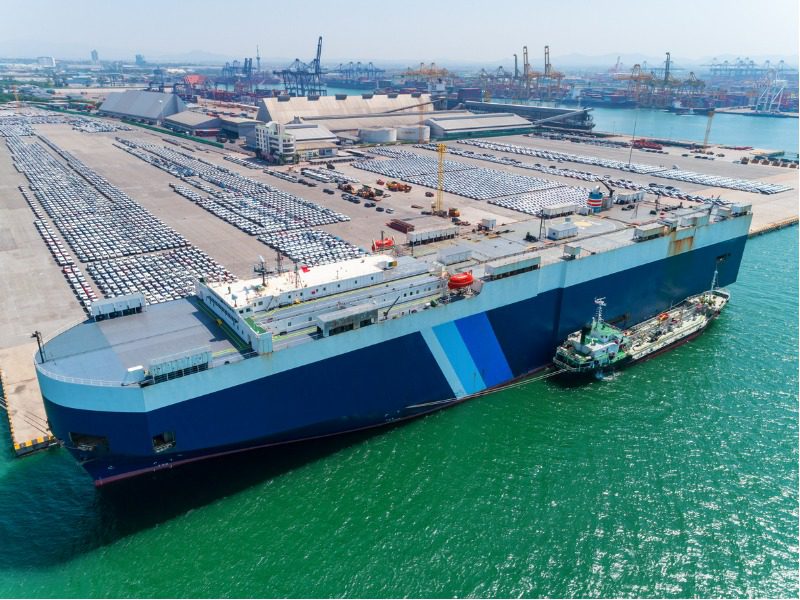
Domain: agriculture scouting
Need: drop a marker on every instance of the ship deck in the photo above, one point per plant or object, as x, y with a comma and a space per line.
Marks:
103, 351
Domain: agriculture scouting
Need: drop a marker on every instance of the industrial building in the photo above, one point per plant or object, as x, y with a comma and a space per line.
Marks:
194, 123
240, 128
388, 118
140, 105
303, 141
461, 125
200, 123
284, 109
346, 115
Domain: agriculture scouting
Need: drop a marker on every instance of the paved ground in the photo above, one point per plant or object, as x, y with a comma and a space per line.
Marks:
28, 422
38, 297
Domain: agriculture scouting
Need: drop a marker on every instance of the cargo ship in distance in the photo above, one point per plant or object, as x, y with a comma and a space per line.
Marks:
362, 343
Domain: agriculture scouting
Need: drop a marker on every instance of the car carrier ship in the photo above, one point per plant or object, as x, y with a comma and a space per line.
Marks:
330, 349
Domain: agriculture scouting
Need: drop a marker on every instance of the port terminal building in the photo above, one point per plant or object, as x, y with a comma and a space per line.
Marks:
288, 142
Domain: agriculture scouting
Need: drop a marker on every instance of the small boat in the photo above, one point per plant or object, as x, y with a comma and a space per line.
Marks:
600, 347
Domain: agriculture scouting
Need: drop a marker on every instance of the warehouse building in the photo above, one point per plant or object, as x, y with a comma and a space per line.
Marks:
140, 105
294, 141
194, 123
454, 126
387, 118
240, 128
284, 109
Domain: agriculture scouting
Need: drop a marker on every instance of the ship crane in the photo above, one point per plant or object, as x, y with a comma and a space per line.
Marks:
391, 306
610, 190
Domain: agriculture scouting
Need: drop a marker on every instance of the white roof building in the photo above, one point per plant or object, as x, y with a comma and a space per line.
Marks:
304, 140
142, 105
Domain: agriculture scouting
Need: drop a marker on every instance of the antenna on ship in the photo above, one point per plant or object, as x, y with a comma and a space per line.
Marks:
600, 302
715, 278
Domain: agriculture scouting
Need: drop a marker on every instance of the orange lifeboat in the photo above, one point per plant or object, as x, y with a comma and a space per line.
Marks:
383, 244
460, 281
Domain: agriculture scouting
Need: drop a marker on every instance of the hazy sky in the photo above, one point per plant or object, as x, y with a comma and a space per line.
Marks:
403, 30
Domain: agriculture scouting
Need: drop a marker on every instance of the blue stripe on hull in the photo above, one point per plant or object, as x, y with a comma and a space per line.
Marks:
377, 384
479, 337
459, 357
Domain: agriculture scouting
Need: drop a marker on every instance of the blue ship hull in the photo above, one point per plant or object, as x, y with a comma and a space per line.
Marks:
395, 379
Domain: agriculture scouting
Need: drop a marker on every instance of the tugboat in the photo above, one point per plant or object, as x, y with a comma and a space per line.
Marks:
600, 348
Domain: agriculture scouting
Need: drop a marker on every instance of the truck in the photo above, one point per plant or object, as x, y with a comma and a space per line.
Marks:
648, 144
396, 186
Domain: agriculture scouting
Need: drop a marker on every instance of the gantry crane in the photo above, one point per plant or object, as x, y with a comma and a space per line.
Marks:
528, 74
638, 81
427, 71
550, 74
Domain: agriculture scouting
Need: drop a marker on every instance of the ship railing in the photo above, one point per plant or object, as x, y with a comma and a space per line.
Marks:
64, 328
104, 383
77, 380
232, 358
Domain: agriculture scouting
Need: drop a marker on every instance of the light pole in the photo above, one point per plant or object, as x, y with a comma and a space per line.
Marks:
633, 137
38, 336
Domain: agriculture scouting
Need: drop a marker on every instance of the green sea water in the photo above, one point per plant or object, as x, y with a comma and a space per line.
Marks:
677, 478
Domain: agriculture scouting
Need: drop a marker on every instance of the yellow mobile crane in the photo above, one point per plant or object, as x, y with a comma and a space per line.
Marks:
441, 149
437, 206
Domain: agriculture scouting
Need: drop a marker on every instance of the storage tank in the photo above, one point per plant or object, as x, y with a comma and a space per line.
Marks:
378, 135
411, 133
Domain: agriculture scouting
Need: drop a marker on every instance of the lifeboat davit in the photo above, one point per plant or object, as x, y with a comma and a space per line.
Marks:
460, 281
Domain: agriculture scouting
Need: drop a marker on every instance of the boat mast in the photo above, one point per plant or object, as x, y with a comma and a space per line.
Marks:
714, 279
598, 317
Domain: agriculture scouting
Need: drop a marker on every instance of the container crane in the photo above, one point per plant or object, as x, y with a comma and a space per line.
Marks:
550, 74
301, 79
638, 81
528, 74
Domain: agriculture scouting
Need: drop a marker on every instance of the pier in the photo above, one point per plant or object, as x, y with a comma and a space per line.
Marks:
22, 401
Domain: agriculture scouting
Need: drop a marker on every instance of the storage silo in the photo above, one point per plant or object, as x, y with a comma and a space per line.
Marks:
378, 135
411, 133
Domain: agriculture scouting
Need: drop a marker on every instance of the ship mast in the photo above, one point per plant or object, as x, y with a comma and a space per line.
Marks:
598, 317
